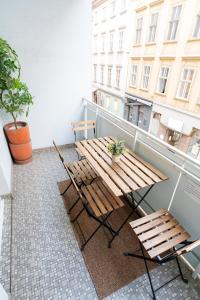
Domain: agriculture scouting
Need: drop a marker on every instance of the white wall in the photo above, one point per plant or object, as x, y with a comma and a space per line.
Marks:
5, 164
52, 39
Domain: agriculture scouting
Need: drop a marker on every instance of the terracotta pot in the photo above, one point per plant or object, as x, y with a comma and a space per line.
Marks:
21, 135
115, 158
21, 153
19, 142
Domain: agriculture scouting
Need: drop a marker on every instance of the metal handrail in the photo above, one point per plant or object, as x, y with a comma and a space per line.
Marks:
170, 148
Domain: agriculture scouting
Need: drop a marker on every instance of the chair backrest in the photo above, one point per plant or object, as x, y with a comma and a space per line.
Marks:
68, 171
79, 126
188, 248
61, 157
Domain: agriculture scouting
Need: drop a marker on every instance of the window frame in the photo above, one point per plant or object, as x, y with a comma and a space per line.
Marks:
109, 75
181, 80
113, 9
118, 80
197, 23
95, 72
139, 29
136, 75
162, 77
153, 26
102, 74
173, 21
111, 33
103, 14
103, 40
142, 78
121, 40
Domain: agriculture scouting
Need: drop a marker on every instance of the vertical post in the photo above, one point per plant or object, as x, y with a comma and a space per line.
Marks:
135, 139
85, 116
175, 189
96, 117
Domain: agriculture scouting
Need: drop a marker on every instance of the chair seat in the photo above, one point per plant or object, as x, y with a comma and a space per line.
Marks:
82, 171
159, 232
100, 198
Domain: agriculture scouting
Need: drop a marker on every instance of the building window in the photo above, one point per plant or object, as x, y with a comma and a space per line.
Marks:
96, 17
138, 34
112, 11
95, 73
111, 40
153, 27
134, 70
102, 74
109, 75
123, 5
162, 80
196, 33
174, 21
146, 77
121, 39
104, 14
185, 83
103, 37
118, 76
95, 43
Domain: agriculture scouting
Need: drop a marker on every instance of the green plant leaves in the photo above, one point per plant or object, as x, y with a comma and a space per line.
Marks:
14, 94
116, 148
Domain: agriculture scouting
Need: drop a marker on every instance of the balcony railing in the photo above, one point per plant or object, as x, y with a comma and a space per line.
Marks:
180, 193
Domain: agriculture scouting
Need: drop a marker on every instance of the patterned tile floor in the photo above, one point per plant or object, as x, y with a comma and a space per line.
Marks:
46, 261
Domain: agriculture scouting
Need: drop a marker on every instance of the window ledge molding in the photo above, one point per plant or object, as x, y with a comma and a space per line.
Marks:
150, 44
137, 45
161, 94
181, 99
170, 42
143, 89
193, 39
123, 12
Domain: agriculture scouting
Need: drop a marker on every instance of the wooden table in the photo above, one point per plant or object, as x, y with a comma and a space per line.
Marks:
130, 174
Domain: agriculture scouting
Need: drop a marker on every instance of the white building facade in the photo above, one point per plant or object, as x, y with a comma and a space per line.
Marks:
112, 38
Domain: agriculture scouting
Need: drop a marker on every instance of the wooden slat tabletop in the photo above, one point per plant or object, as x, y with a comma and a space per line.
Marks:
129, 174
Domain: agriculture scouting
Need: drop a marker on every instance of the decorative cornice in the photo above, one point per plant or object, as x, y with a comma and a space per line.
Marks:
96, 3
156, 2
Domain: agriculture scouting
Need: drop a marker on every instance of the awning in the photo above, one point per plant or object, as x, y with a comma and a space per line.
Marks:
138, 99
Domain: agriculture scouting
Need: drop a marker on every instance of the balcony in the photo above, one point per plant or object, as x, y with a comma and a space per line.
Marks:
40, 254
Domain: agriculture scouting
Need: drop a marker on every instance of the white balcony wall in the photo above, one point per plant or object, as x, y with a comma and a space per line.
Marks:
185, 205
52, 39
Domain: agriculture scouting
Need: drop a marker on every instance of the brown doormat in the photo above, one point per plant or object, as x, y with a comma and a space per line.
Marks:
109, 268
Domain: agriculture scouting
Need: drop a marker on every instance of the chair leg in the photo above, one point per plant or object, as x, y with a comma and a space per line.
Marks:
148, 273
80, 212
119, 229
102, 223
62, 194
180, 271
70, 209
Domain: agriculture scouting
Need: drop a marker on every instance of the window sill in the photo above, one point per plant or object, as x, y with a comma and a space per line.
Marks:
110, 52
133, 86
95, 53
150, 44
120, 51
181, 99
193, 39
117, 88
143, 89
170, 42
123, 12
103, 21
137, 45
109, 85
103, 52
112, 17
161, 94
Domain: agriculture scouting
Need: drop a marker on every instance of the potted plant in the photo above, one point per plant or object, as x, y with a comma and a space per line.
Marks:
15, 100
116, 148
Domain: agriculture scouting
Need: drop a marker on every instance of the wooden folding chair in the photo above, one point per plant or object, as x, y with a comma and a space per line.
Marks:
79, 126
159, 235
82, 172
99, 203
